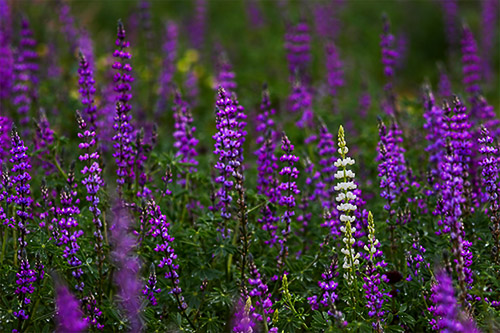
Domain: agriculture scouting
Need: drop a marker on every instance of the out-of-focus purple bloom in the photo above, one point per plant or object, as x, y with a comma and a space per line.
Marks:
124, 151
86, 47
389, 59
254, 13
191, 88
365, 102
128, 266
225, 75
326, 152
243, 321
288, 189
446, 310
6, 56
197, 25
444, 85
68, 25
44, 137
301, 101
26, 81
68, 314
490, 15
87, 91
5, 127
450, 12
185, 142
471, 63
298, 47
326, 19
334, 70
166, 84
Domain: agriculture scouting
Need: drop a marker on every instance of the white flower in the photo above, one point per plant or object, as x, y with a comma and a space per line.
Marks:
341, 196
345, 207
343, 150
351, 196
343, 162
345, 218
346, 266
342, 228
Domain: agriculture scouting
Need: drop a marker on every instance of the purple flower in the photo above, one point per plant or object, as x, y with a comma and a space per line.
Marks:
471, 63
242, 321
124, 151
444, 85
128, 266
225, 75
262, 311
415, 261
87, 91
166, 83
326, 20
489, 24
446, 311
301, 101
150, 289
5, 127
43, 139
254, 14
489, 177
25, 277
68, 25
86, 48
229, 148
191, 87
25, 67
365, 101
389, 59
68, 315
197, 25
298, 48
185, 142
288, 189
334, 69
65, 228
6, 56
450, 11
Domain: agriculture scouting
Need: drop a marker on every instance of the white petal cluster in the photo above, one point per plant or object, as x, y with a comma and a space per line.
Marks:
342, 162
345, 186
373, 242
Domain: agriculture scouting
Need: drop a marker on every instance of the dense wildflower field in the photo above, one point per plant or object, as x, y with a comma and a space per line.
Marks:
249, 166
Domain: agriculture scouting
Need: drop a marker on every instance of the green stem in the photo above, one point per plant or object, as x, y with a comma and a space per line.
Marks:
4, 244
58, 166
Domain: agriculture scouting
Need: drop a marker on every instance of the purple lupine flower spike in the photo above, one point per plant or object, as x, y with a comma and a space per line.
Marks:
298, 47
243, 321
389, 60
471, 63
166, 84
444, 85
5, 127
124, 151
68, 25
489, 173
185, 142
490, 17
416, 261
21, 198
328, 296
301, 101
6, 56
87, 91
68, 313
86, 47
128, 266
450, 12
92, 182
191, 88
254, 13
225, 75
434, 116
262, 311
150, 289
334, 69
365, 101
267, 167
288, 189
229, 147
65, 228
197, 26
446, 311
25, 69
